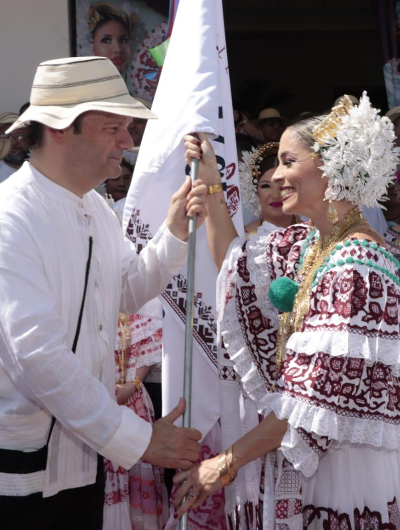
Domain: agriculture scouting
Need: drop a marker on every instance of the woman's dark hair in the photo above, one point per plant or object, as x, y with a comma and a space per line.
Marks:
268, 162
127, 163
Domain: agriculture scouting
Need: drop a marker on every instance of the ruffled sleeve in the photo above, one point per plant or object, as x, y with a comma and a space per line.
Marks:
248, 321
339, 382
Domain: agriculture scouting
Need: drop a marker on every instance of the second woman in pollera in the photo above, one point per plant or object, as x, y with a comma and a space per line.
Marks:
260, 196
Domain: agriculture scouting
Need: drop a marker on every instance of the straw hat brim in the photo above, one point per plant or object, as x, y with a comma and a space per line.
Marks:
61, 116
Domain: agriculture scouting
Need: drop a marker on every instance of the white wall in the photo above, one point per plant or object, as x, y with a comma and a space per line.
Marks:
31, 31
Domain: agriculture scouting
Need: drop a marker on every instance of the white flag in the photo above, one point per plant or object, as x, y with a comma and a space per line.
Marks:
193, 95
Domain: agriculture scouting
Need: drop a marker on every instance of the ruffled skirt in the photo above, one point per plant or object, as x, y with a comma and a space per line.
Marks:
356, 487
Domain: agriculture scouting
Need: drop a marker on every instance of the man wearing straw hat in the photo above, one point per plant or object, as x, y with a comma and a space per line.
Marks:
65, 272
13, 148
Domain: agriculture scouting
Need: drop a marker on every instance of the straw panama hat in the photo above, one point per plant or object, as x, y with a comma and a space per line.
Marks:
5, 145
63, 89
393, 113
352, 98
267, 113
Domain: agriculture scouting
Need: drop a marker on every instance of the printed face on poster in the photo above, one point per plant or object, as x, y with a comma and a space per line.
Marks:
124, 32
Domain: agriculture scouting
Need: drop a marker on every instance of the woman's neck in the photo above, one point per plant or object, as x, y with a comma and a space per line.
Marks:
320, 220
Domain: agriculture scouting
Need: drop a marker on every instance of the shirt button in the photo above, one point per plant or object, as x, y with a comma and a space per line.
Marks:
100, 327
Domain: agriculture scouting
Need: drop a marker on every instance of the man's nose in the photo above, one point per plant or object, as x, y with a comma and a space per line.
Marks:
125, 141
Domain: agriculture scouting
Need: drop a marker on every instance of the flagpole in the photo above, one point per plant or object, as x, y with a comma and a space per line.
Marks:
187, 381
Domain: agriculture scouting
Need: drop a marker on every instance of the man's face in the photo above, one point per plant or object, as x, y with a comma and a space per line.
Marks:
136, 130
96, 152
272, 129
19, 145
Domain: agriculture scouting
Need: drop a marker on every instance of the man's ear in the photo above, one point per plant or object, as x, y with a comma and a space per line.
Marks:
58, 135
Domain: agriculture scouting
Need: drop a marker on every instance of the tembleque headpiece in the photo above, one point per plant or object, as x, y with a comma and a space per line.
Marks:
356, 146
250, 173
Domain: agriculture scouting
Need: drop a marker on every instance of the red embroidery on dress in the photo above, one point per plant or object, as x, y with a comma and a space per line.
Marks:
366, 520
347, 386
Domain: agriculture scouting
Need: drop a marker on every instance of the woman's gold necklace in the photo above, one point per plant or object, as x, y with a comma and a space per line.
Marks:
291, 322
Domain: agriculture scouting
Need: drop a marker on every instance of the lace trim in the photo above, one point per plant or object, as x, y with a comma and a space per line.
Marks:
347, 344
141, 329
150, 354
323, 422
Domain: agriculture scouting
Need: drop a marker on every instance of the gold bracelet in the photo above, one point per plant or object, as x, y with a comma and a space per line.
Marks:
225, 468
137, 382
215, 188
229, 462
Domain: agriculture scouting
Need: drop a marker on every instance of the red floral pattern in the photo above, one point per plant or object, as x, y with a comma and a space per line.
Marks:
349, 387
352, 304
366, 520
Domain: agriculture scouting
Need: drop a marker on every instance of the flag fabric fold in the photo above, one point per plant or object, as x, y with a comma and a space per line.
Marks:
193, 95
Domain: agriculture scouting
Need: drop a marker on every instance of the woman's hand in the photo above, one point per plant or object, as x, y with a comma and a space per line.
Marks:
124, 392
201, 149
196, 484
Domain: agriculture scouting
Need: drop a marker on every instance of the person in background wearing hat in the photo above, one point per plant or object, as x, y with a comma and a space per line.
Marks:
352, 98
13, 147
392, 205
136, 129
65, 272
270, 124
245, 127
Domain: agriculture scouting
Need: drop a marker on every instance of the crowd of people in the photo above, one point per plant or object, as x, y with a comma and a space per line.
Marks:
308, 309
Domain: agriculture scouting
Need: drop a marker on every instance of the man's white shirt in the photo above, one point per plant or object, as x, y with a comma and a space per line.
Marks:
44, 232
5, 171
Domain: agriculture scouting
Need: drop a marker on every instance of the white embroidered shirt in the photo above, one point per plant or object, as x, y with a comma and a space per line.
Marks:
44, 233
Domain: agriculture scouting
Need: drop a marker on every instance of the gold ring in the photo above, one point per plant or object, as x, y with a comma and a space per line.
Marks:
192, 495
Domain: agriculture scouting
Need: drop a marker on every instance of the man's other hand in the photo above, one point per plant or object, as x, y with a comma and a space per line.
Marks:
171, 446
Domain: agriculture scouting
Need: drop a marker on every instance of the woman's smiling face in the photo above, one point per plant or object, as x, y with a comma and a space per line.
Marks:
302, 187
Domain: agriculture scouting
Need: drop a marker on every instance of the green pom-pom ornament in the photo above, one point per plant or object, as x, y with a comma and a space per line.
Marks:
282, 292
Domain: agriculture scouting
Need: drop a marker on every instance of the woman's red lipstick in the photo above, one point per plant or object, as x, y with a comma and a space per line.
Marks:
277, 204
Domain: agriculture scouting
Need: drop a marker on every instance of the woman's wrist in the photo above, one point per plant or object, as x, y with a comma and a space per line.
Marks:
226, 470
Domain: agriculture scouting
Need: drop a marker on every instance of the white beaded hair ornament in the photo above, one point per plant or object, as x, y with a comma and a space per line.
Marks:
356, 146
249, 175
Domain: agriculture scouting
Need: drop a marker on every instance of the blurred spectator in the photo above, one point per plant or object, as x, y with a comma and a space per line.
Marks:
352, 98
270, 123
392, 205
244, 143
304, 116
245, 127
118, 188
14, 147
136, 129
394, 115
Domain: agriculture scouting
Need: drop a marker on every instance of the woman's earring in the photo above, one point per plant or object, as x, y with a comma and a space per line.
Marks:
331, 214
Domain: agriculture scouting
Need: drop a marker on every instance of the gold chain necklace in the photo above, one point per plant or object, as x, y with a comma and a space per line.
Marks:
291, 322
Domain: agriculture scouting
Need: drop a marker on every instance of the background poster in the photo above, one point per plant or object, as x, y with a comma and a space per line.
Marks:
124, 31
